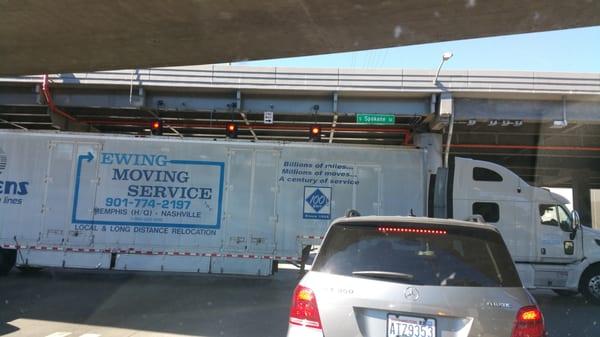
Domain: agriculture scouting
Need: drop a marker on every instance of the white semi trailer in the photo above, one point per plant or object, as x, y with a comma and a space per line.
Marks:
162, 204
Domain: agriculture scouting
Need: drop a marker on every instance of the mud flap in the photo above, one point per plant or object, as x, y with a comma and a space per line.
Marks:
8, 257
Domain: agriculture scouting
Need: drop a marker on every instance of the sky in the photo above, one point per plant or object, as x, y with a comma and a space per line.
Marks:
570, 50
566, 193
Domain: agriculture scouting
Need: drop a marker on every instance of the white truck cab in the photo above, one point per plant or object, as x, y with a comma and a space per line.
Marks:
550, 248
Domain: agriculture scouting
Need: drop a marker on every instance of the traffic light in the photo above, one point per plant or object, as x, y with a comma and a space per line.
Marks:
231, 130
156, 128
314, 133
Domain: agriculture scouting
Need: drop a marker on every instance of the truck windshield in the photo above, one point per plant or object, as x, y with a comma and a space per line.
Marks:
458, 257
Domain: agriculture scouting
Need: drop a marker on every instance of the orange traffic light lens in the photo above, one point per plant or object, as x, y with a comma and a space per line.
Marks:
231, 130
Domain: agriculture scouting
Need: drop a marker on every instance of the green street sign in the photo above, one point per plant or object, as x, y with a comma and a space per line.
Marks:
375, 119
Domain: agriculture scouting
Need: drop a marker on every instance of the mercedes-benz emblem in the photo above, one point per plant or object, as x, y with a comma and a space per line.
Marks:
411, 294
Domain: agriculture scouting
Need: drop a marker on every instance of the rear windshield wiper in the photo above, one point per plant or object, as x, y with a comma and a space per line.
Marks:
384, 274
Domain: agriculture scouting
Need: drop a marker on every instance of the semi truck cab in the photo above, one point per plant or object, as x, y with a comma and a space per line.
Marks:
549, 246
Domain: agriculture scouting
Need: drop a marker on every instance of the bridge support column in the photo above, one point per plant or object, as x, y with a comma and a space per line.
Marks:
433, 143
581, 196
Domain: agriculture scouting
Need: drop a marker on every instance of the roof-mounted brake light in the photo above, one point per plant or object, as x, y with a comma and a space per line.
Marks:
412, 230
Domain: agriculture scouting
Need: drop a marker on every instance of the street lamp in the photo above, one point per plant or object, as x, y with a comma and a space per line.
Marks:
445, 57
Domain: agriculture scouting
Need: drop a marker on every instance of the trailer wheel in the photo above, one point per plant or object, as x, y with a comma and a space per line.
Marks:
590, 284
8, 257
565, 293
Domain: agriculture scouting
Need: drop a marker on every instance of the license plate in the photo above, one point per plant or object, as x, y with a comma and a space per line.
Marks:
407, 326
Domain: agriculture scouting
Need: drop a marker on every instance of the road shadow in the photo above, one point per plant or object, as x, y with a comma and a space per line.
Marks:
568, 316
190, 304
5, 329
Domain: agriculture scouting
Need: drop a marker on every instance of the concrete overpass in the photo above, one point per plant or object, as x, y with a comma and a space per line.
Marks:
39, 36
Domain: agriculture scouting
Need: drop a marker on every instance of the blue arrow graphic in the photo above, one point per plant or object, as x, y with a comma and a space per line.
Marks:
87, 157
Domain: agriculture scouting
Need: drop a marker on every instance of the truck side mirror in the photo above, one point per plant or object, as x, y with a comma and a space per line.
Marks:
576, 223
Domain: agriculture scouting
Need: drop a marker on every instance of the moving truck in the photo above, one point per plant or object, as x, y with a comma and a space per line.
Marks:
83, 200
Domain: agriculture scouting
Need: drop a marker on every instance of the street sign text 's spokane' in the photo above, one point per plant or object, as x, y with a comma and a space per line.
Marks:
375, 119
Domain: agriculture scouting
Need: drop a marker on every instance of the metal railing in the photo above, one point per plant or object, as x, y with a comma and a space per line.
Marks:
369, 80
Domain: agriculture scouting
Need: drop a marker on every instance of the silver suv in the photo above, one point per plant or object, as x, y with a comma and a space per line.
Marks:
413, 277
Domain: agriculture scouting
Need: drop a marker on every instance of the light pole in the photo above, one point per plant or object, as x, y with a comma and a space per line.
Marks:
445, 57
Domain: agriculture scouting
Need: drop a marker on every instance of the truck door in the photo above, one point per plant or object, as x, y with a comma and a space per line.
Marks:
261, 233
58, 184
70, 191
554, 235
250, 216
367, 197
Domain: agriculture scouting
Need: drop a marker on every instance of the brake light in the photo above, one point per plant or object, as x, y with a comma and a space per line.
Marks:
304, 311
412, 230
529, 323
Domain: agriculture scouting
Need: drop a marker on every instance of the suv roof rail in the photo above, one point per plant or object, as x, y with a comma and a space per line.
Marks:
352, 213
476, 218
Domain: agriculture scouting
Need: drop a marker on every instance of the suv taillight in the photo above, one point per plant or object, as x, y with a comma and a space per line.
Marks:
529, 323
304, 311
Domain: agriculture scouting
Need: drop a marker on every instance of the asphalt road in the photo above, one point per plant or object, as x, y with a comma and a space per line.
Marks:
62, 303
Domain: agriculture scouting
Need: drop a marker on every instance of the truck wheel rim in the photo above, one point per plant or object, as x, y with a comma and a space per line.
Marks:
594, 286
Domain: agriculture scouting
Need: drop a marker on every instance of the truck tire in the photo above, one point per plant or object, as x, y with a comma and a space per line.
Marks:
590, 284
565, 293
8, 257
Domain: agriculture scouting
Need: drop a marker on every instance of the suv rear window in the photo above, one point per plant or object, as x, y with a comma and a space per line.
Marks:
468, 257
